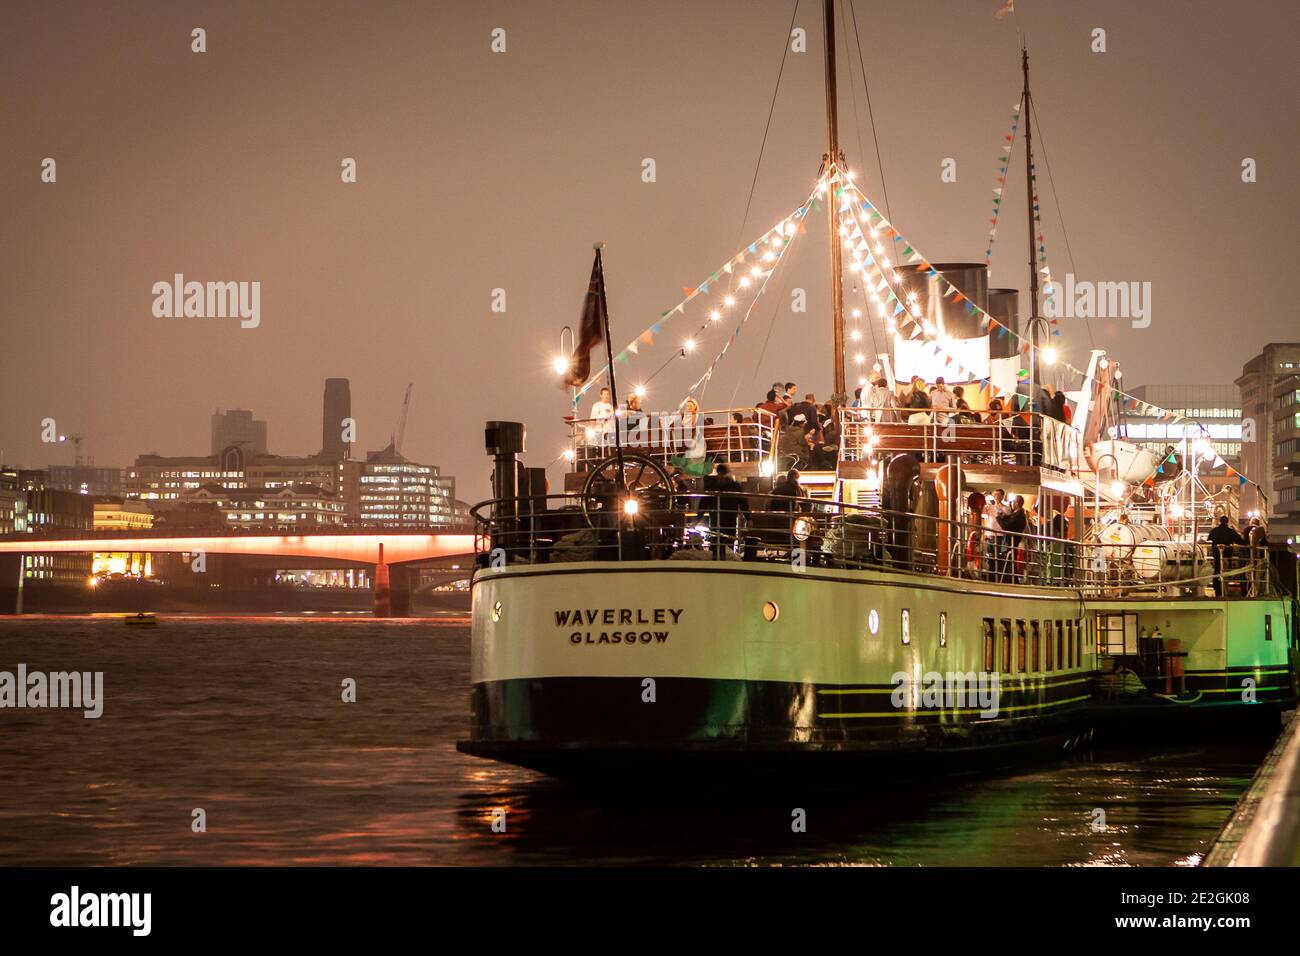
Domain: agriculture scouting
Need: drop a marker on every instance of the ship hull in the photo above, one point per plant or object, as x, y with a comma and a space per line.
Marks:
725, 668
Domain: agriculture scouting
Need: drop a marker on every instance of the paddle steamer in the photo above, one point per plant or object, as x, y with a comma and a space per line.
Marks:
643, 618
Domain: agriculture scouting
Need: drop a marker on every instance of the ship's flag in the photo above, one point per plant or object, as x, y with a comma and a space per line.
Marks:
1008, 7
591, 327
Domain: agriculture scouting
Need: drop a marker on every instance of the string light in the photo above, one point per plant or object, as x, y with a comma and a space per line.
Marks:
639, 391
689, 345
1049, 355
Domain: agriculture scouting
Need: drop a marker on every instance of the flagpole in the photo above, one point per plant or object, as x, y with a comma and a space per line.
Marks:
609, 358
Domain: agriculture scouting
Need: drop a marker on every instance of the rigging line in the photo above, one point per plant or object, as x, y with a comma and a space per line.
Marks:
853, 89
1047, 164
785, 52
884, 190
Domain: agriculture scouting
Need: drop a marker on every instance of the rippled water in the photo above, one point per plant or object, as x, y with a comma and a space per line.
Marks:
243, 717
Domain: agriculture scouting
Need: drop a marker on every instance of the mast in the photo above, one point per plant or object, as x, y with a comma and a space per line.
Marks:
1035, 321
832, 161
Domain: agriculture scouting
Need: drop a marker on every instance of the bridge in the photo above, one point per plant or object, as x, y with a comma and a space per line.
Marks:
392, 554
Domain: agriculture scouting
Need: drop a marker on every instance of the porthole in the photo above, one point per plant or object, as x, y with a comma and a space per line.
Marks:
907, 626
873, 621
943, 628
496, 612
770, 611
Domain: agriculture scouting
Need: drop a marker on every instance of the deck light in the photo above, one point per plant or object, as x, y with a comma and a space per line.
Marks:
561, 365
631, 507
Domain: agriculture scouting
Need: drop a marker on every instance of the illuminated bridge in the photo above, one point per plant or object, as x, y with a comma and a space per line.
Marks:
391, 554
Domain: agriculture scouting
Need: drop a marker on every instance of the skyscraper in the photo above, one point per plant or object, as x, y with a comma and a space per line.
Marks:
337, 407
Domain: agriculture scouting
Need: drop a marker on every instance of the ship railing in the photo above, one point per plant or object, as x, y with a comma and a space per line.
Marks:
804, 533
1023, 438
732, 435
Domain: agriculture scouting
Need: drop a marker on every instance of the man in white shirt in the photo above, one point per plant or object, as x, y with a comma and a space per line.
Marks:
603, 408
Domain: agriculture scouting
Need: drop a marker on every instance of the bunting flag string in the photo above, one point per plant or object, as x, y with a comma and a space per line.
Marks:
769, 249
1003, 162
891, 310
731, 340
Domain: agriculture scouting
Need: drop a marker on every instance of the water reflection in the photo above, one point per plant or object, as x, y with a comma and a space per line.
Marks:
243, 717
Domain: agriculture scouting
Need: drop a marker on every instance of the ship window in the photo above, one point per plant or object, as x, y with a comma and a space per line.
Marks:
1004, 652
990, 664
1070, 633
496, 611
1268, 627
1037, 658
1022, 638
1060, 644
770, 611
1078, 647
943, 629
907, 626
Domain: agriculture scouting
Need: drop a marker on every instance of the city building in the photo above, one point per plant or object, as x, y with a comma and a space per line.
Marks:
336, 408
1211, 411
383, 490
1265, 432
397, 493
12, 505
297, 508
85, 479
1284, 439
121, 514
237, 427
54, 510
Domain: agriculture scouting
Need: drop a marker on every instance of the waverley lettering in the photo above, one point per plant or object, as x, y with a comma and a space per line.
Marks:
103, 909
211, 300
75, 689
587, 617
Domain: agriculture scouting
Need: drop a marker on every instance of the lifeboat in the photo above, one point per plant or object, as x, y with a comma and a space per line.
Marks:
1121, 459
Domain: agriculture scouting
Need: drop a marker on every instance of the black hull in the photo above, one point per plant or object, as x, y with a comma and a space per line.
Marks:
600, 731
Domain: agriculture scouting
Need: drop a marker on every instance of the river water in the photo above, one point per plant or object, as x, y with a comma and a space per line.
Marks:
243, 719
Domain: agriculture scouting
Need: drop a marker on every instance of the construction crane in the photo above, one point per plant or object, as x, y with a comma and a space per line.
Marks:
401, 421
76, 444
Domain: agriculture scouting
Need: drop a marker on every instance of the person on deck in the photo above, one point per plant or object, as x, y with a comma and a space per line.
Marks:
788, 494
603, 410
941, 400
918, 402
807, 408
1222, 540
1014, 524
726, 503
880, 408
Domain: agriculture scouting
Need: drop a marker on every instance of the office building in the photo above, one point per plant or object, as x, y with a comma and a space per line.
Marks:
1266, 457
237, 427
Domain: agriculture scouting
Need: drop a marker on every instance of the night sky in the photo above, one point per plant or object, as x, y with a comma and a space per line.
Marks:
481, 170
